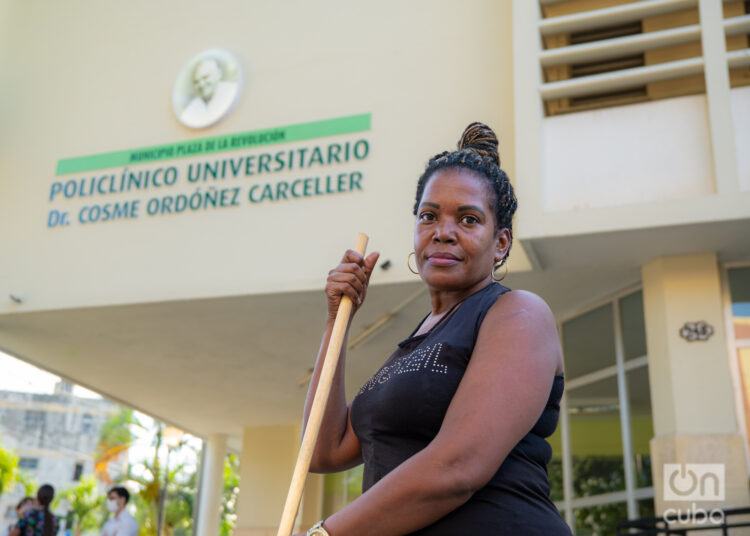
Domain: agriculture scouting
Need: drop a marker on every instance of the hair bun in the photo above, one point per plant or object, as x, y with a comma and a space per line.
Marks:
480, 139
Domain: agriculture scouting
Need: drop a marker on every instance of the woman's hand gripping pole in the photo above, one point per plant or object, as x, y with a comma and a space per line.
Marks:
310, 435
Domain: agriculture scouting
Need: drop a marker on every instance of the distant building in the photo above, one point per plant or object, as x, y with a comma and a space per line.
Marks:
53, 435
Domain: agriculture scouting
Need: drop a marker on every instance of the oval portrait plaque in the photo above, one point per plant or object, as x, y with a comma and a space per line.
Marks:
207, 88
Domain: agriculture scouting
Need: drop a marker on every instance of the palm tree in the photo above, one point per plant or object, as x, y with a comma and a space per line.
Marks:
176, 499
85, 503
115, 439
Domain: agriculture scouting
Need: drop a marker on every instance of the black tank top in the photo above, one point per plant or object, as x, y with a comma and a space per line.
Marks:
400, 409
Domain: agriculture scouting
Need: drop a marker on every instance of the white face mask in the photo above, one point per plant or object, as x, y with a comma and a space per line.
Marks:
112, 505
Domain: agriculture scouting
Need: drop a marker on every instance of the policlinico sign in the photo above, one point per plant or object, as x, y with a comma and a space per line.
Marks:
157, 186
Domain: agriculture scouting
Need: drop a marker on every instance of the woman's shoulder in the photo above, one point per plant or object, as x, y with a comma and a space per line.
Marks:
522, 312
524, 316
522, 302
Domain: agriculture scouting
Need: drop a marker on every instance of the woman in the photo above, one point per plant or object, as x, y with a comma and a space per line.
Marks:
451, 429
23, 506
38, 521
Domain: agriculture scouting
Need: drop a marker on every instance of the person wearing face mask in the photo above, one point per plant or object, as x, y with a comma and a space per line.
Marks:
122, 522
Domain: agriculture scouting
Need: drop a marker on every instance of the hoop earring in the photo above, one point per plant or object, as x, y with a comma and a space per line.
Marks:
494, 270
408, 264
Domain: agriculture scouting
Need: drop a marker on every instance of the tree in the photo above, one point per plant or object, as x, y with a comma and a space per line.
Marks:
229, 497
116, 438
86, 504
8, 470
150, 476
11, 475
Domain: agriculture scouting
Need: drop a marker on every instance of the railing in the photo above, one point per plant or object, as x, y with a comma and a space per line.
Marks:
668, 525
611, 49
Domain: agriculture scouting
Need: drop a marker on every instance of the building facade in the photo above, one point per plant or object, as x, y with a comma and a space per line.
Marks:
194, 259
55, 437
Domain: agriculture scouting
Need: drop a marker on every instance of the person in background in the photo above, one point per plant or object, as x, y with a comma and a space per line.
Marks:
38, 521
23, 506
122, 522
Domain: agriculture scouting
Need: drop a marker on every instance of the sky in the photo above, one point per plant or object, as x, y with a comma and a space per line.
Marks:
16, 375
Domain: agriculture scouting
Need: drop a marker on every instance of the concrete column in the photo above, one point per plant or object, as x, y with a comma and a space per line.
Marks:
716, 72
212, 485
266, 466
691, 389
311, 509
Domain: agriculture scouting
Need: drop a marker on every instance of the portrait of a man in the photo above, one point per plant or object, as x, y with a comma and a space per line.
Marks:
207, 89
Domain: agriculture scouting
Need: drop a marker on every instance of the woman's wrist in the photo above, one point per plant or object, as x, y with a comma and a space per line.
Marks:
318, 529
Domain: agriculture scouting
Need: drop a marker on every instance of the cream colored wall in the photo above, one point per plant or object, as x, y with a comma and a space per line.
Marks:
692, 395
640, 153
83, 77
691, 387
606, 210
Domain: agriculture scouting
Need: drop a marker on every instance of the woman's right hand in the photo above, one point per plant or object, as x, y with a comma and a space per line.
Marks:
350, 278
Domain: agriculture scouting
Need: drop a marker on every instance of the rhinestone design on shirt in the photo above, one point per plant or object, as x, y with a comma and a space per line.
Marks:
420, 359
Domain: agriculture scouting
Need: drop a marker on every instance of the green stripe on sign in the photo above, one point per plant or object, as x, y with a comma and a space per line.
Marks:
216, 144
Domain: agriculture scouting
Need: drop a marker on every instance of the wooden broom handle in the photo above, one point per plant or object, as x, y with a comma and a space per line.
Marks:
310, 436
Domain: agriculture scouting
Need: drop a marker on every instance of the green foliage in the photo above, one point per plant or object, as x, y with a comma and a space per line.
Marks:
10, 474
231, 492
8, 470
594, 475
554, 473
150, 479
116, 437
86, 504
28, 482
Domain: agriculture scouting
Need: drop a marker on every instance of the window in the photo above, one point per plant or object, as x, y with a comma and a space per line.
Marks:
33, 420
87, 422
28, 463
77, 471
658, 48
739, 290
341, 488
608, 431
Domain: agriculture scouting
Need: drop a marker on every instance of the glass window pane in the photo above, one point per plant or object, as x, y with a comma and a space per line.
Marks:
599, 520
641, 424
554, 469
589, 342
739, 288
633, 325
354, 483
646, 508
596, 438
334, 493
341, 488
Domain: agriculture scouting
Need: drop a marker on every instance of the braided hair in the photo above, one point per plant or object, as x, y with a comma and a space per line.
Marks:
477, 151
44, 497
